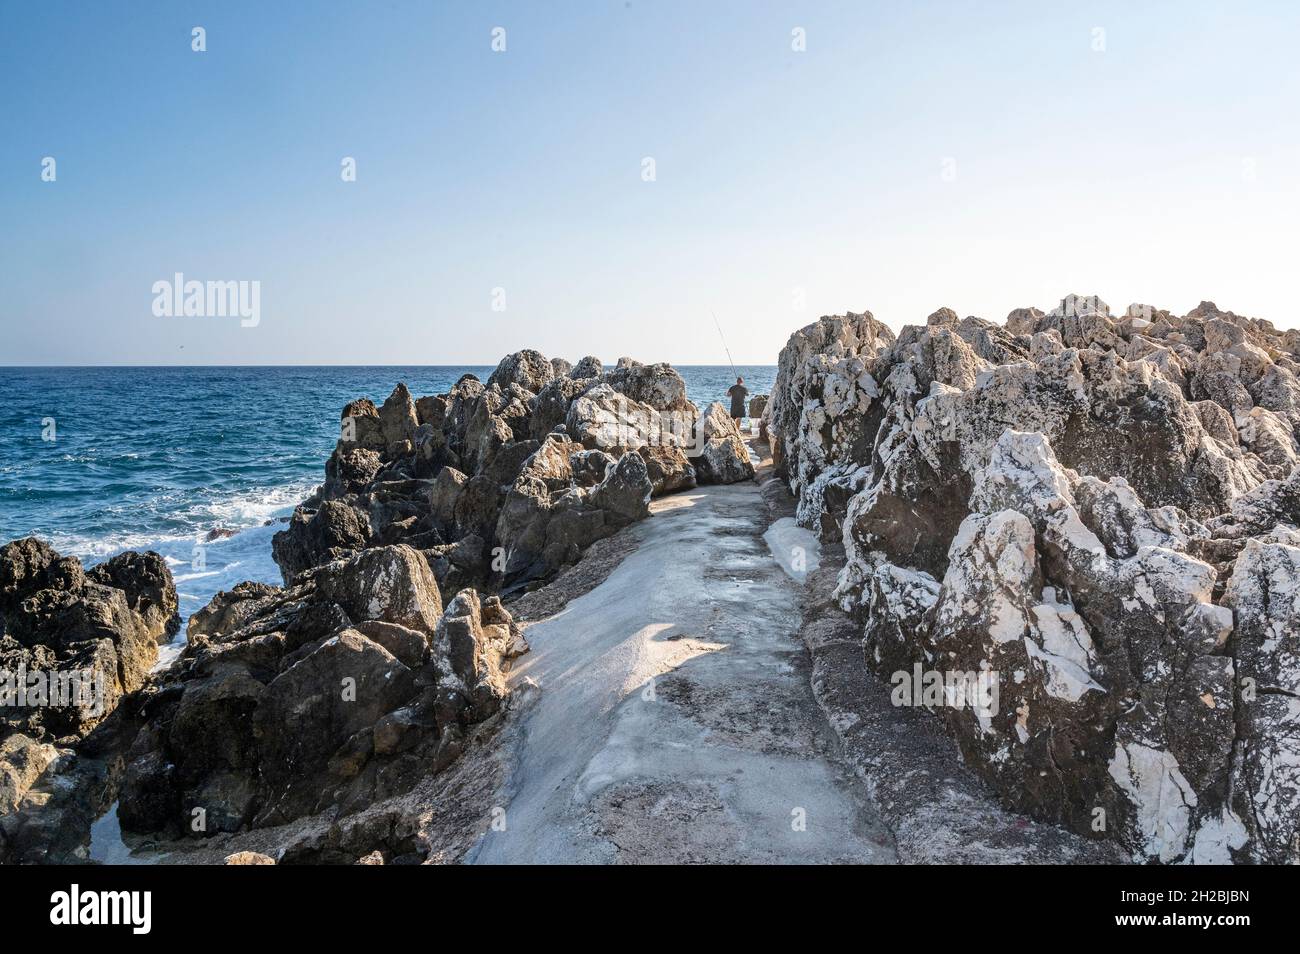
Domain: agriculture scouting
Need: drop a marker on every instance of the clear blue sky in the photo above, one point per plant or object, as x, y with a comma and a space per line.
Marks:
1162, 169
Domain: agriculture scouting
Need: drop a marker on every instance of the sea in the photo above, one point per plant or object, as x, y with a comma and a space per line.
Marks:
199, 464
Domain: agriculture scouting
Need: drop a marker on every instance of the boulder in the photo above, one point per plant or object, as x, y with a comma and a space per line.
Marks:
349, 470
668, 469
443, 494
57, 618
25, 567
722, 456
332, 531
603, 418
528, 369
471, 685
587, 368
150, 592
22, 761
398, 421
655, 385
312, 709
819, 410
549, 515
625, 492
551, 406
393, 584
360, 426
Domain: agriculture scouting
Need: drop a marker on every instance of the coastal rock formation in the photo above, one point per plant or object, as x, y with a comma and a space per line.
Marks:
668, 469
73, 644
340, 690
357, 678
564, 499
500, 484
354, 680
819, 417
721, 456
1094, 516
59, 621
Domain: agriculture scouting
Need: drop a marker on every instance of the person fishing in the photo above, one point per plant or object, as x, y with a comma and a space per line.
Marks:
738, 392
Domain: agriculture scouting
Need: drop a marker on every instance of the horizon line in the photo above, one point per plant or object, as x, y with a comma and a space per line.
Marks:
465, 364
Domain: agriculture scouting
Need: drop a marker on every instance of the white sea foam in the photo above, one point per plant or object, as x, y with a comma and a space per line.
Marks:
229, 561
201, 567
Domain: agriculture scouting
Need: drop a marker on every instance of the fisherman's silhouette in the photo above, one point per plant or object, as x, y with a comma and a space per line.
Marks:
738, 393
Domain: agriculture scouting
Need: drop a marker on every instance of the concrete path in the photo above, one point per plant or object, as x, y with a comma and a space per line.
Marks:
672, 718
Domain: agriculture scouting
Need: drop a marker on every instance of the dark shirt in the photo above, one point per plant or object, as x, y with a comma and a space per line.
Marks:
738, 394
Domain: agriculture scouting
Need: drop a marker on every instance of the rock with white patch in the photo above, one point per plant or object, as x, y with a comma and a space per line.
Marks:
1099, 508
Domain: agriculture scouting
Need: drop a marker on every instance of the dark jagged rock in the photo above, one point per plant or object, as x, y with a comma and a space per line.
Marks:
551, 408
73, 645
586, 368
342, 689
553, 512
353, 681
433, 471
52, 607
333, 530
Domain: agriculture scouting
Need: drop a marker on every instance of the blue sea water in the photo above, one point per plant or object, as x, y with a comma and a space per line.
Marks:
156, 458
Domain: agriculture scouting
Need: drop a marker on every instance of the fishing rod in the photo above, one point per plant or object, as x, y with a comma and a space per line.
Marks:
724, 342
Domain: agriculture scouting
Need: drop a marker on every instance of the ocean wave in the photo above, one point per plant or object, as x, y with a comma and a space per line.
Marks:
237, 515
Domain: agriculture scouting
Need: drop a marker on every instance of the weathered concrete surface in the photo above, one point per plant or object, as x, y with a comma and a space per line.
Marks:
672, 718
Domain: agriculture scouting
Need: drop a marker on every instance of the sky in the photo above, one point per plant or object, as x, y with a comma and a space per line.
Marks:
910, 156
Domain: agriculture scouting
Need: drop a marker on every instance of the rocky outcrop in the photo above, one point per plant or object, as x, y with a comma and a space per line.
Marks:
818, 418
340, 690
370, 668
1083, 526
474, 479
68, 634
566, 498
355, 680
73, 644
668, 469
721, 456
150, 592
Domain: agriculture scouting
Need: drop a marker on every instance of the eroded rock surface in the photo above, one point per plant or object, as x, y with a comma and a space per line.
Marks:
500, 484
363, 675
73, 644
346, 688
1101, 512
